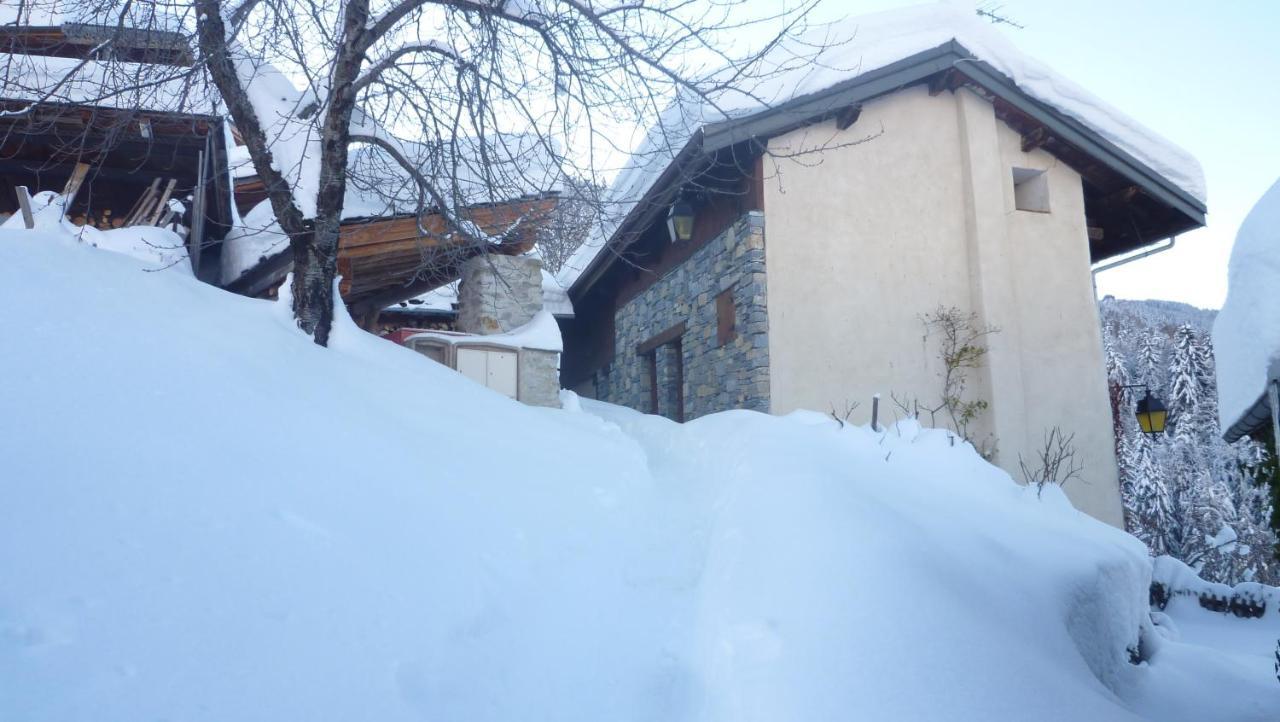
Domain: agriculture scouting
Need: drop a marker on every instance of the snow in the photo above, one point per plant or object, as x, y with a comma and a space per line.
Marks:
555, 299
1246, 334
1217, 654
859, 45
1182, 581
541, 333
500, 167
156, 248
208, 517
113, 84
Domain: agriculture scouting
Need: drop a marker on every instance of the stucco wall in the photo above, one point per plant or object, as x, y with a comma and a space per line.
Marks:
716, 377
864, 243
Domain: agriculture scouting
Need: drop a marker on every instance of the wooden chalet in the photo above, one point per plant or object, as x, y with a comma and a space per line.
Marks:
124, 154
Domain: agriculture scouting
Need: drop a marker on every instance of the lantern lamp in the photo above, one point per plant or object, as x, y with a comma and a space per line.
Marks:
680, 221
1151, 414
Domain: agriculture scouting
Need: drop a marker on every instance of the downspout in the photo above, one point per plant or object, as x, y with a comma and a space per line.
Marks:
1149, 251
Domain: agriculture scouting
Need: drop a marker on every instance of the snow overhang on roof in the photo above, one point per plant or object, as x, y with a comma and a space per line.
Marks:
1246, 332
903, 49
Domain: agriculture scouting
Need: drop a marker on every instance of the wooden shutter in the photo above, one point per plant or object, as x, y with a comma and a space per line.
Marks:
726, 316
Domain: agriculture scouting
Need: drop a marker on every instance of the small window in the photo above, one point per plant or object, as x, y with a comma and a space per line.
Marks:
1031, 190
726, 317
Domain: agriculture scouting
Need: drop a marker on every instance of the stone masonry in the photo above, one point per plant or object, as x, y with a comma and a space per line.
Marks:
499, 294
716, 378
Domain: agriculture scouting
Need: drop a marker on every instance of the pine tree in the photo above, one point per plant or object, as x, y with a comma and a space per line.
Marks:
1188, 377
1150, 352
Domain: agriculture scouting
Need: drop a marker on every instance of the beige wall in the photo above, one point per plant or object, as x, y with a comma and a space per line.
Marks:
863, 243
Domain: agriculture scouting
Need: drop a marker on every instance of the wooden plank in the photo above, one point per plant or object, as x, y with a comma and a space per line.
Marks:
141, 203
162, 205
24, 203
196, 236
73, 184
667, 336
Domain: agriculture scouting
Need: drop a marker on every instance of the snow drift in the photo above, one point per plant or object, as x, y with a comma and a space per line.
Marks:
207, 517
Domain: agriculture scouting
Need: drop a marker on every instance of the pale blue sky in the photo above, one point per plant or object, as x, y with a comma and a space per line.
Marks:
1202, 74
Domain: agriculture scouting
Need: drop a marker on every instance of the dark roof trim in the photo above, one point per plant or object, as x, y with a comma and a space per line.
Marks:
915, 69
1254, 418
1259, 414
654, 199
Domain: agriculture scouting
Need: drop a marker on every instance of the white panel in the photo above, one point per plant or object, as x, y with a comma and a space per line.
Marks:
472, 363
502, 372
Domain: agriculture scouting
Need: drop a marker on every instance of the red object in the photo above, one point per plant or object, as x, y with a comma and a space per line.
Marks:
401, 334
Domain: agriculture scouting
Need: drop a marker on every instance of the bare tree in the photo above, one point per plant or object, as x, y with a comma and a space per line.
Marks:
1055, 463
568, 73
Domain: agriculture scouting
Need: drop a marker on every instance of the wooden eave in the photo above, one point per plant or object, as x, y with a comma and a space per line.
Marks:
77, 40
386, 260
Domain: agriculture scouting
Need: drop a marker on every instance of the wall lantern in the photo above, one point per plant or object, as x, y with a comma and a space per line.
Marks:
1150, 411
680, 221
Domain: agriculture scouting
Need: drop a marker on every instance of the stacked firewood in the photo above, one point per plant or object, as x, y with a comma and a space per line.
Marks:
155, 207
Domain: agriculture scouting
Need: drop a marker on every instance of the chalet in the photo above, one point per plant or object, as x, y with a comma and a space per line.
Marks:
782, 257
126, 137
109, 119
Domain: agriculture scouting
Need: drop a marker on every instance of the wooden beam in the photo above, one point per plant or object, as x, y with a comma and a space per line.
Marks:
142, 204
73, 184
846, 117
665, 337
946, 80
1122, 197
1035, 139
164, 200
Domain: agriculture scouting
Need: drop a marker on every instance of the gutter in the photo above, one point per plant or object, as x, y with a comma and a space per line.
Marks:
1150, 250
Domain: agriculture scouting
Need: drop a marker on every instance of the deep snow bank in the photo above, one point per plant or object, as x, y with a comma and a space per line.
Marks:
206, 517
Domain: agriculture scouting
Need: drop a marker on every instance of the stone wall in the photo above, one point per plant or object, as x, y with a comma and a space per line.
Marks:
716, 377
539, 382
498, 293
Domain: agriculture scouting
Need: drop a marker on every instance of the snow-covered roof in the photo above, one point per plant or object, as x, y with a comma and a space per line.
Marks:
1246, 334
541, 333
871, 43
54, 13
468, 171
555, 300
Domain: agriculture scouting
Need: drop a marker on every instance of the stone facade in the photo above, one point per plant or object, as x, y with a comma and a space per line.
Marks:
498, 293
539, 380
715, 376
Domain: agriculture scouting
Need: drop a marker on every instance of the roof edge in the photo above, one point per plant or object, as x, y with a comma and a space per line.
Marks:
951, 55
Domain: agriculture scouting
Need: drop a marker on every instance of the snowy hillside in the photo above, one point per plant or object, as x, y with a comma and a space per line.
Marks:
207, 517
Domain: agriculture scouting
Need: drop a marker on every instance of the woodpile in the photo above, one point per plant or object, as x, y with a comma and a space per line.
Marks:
151, 209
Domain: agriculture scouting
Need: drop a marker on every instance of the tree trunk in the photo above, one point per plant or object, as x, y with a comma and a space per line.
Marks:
315, 264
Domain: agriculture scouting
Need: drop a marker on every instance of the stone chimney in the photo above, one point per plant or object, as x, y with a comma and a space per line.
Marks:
498, 293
